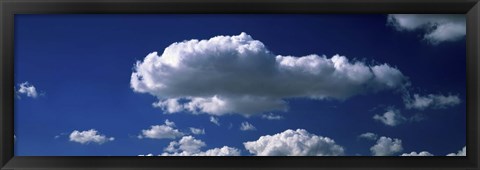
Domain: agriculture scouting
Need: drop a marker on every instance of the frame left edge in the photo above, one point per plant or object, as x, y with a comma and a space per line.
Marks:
6, 80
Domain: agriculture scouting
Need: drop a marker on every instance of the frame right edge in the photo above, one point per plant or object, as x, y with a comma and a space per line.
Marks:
473, 81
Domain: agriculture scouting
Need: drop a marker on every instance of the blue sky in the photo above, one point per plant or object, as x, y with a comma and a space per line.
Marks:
333, 77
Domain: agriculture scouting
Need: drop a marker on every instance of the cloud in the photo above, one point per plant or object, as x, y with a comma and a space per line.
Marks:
197, 131
437, 27
390, 118
423, 153
147, 155
462, 152
271, 116
247, 126
169, 123
435, 101
214, 120
90, 136
189, 146
238, 75
386, 147
169, 105
166, 131
369, 136
28, 90
294, 143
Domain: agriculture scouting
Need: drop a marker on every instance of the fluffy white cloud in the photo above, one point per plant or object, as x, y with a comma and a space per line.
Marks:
169, 105
197, 131
27, 89
386, 146
166, 131
369, 136
438, 27
215, 120
189, 146
462, 152
89, 136
247, 126
294, 143
423, 153
435, 101
238, 75
390, 118
271, 116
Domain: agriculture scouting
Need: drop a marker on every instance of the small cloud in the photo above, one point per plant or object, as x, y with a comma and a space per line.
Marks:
386, 146
391, 118
89, 136
245, 126
28, 90
147, 155
169, 105
369, 136
435, 101
271, 116
197, 131
169, 123
294, 143
423, 153
214, 120
462, 152
166, 131
437, 27
189, 146
417, 117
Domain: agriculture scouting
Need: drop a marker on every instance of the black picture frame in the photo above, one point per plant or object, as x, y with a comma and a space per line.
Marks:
8, 8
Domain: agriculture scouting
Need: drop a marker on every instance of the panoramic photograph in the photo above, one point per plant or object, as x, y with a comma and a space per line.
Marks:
240, 85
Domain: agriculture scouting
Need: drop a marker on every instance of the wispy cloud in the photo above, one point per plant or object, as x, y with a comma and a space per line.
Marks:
391, 118
215, 120
245, 126
437, 27
271, 116
435, 101
369, 136
27, 89
197, 131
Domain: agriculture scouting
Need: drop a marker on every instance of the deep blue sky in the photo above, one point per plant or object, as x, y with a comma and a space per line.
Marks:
83, 63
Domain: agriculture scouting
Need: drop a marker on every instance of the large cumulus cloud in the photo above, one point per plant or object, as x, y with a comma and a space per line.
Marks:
294, 143
238, 74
